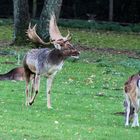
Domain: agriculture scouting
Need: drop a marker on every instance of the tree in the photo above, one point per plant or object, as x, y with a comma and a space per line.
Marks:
21, 21
110, 10
21, 18
34, 8
49, 7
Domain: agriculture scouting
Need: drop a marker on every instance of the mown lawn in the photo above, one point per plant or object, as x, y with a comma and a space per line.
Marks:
86, 94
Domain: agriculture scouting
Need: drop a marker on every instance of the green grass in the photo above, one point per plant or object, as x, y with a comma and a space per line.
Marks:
79, 112
6, 33
101, 39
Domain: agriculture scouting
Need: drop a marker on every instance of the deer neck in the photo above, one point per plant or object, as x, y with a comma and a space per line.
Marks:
56, 57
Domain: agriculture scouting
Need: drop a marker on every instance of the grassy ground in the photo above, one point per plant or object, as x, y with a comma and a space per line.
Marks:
86, 93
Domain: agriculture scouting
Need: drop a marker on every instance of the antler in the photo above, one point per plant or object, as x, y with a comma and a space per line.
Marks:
68, 35
54, 30
31, 33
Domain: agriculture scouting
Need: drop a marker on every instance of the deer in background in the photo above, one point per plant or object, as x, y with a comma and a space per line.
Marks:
132, 95
16, 74
46, 61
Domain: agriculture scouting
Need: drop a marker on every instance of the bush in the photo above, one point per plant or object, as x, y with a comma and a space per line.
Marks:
136, 28
5, 22
96, 25
91, 25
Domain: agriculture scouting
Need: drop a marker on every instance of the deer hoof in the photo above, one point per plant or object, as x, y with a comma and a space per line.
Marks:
49, 107
135, 125
31, 102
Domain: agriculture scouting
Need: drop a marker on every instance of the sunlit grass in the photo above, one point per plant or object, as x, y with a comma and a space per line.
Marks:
102, 39
89, 38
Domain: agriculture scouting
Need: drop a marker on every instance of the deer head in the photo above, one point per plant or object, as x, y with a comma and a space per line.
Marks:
60, 42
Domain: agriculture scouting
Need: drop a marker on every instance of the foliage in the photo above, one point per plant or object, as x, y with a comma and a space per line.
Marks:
89, 25
97, 25
86, 94
5, 22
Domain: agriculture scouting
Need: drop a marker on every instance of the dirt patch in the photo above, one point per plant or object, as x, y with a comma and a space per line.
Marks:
128, 53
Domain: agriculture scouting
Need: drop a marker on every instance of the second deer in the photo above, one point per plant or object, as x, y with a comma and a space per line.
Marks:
46, 61
132, 96
16, 74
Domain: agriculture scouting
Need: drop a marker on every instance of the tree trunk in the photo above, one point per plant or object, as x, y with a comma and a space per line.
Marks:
49, 7
110, 10
34, 8
21, 21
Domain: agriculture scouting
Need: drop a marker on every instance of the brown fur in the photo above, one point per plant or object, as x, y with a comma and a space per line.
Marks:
132, 93
130, 87
16, 74
131, 83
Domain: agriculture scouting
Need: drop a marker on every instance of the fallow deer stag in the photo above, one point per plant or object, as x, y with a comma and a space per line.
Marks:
46, 61
132, 95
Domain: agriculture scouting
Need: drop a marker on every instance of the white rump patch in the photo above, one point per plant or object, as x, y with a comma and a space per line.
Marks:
138, 83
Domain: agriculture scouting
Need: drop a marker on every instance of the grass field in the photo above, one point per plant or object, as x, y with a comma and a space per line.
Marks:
86, 93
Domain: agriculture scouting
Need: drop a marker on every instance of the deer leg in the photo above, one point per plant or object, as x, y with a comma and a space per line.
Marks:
37, 83
127, 111
27, 79
135, 119
32, 87
49, 85
27, 93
